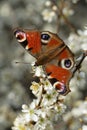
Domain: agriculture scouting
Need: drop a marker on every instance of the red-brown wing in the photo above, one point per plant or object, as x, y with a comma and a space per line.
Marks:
59, 78
39, 43
53, 49
59, 61
30, 40
50, 51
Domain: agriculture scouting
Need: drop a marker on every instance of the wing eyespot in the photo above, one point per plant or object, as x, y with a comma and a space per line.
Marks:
45, 37
67, 63
21, 36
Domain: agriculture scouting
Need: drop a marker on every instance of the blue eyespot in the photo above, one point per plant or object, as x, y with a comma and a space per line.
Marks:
67, 63
45, 36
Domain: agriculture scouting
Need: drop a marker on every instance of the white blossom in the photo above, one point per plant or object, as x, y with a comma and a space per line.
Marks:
48, 15
40, 114
49, 98
78, 42
37, 70
68, 11
48, 3
84, 127
35, 87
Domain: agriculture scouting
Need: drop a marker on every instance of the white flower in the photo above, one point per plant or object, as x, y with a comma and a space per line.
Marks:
40, 114
75, 1
68, 11
60, 108
38, 70
48, 100
19, 123
74, 43
54, 8
51, 95
30, 112
84, 127
48, 3
47, 85
48, 15
36, 88
43, 124
77, 43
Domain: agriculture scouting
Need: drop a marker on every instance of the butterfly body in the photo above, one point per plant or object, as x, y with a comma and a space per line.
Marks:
50, 51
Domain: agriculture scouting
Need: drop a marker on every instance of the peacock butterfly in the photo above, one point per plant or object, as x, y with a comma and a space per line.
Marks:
51, 52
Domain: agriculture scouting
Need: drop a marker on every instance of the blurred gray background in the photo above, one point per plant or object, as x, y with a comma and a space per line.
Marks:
15, 79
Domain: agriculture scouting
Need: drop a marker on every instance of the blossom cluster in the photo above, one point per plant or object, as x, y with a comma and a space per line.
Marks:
46, 108
52, 9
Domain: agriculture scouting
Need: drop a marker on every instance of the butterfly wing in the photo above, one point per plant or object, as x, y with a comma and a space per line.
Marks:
30, 40
50, 51
59, 78
58, 61
53, 48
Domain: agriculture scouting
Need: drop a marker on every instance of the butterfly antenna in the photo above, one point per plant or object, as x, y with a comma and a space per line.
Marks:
18, 62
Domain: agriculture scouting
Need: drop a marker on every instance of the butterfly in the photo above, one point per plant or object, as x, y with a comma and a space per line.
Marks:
51, 52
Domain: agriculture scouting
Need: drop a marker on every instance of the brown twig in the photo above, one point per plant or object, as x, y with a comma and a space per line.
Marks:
60, 14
